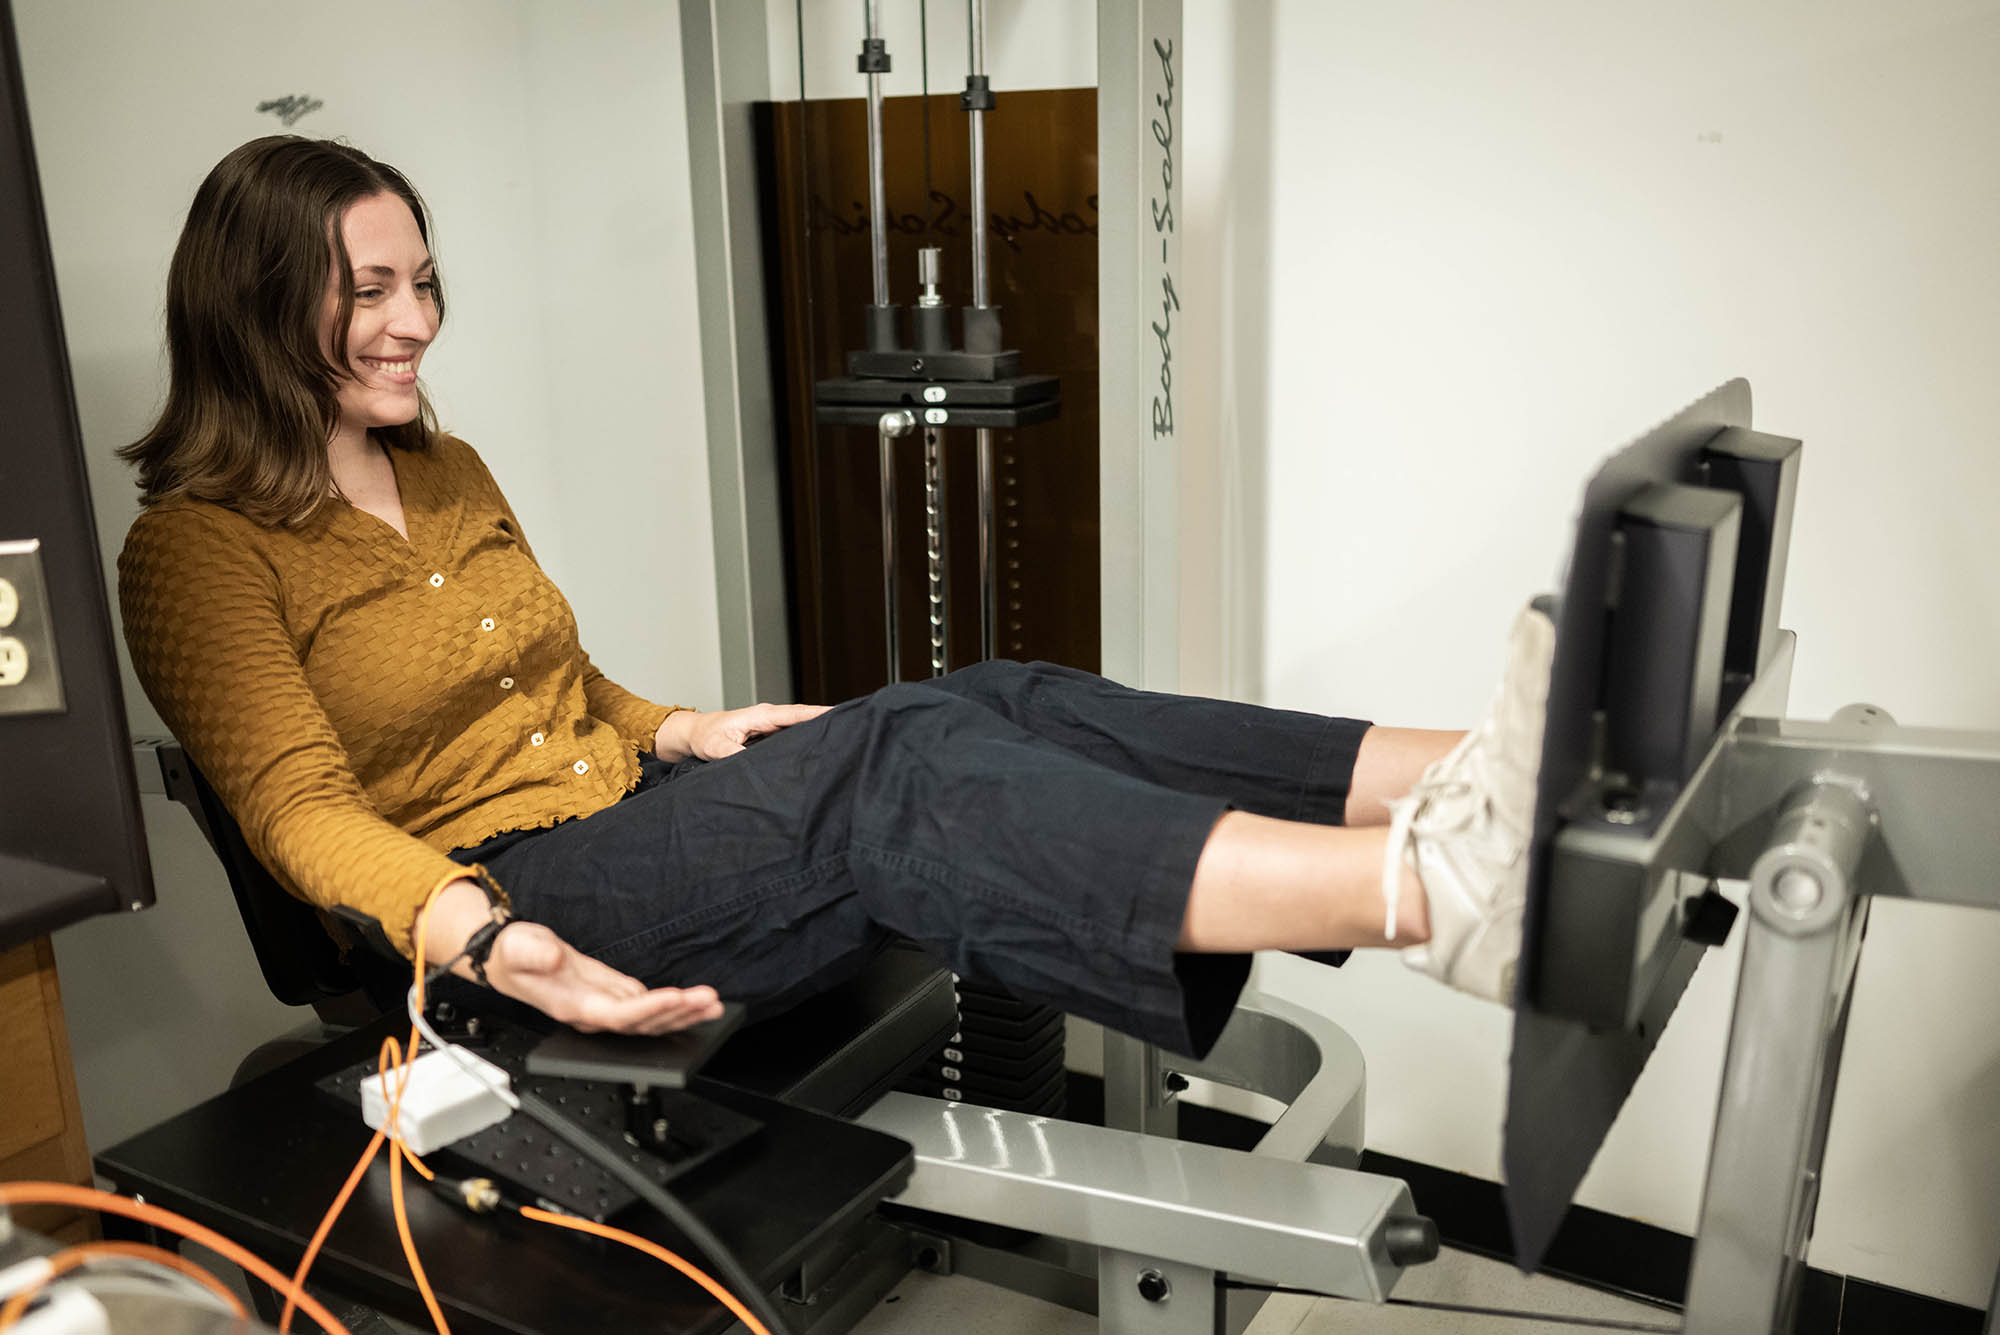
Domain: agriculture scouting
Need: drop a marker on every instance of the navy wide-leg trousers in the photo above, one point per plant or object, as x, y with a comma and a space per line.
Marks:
1035, 827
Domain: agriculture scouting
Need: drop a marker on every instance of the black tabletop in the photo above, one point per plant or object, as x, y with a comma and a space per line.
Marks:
261, 1163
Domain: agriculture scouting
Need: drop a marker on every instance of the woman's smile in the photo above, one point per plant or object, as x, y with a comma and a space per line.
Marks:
393, 371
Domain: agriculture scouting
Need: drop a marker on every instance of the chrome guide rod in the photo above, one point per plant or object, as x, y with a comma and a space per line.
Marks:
878, 202
989, 574
976, 22
934, 549
989, 571
890, 426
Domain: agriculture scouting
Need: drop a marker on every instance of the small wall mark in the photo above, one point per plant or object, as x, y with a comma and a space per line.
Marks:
290, 109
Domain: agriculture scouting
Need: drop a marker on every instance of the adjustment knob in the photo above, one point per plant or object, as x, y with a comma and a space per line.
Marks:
1410, 1239
1708, 917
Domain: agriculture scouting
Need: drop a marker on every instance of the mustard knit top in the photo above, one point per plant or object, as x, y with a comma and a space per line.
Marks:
362, 703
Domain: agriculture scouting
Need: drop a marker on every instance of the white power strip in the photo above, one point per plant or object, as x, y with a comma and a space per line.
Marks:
21, 1274
69, 1311
441, 1103
64, 1310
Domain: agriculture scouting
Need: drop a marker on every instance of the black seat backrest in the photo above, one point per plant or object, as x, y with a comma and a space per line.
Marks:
302, 964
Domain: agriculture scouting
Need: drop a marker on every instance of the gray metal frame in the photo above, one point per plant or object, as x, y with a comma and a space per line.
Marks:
1817, 817
724, 57
1147, 1225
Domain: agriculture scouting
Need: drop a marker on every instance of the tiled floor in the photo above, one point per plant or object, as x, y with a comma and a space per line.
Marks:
924, 1304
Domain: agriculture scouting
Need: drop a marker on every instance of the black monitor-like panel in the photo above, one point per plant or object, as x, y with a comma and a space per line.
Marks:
71, 840
1669, 611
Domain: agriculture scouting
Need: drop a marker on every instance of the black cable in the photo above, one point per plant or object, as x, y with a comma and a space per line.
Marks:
1595, 1323
733, 1274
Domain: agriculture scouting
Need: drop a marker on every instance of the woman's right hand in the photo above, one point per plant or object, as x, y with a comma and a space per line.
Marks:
689, 732
531, 963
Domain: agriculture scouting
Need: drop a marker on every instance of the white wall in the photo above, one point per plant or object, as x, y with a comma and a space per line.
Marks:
1497, 241
553, 154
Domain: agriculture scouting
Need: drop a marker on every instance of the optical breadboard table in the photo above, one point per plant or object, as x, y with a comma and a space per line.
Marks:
261, 1163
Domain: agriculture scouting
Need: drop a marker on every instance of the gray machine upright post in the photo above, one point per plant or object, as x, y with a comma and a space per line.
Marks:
1140, 164
1138, 53
1805, 926
725, 54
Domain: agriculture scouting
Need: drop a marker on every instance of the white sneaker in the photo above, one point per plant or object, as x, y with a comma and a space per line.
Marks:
1466, 827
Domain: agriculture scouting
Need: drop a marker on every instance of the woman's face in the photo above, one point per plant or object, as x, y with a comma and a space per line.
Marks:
395, 314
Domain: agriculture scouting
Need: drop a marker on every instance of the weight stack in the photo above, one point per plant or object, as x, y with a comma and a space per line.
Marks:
1006, 1054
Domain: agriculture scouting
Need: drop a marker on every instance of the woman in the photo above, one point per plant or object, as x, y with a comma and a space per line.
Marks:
334, 608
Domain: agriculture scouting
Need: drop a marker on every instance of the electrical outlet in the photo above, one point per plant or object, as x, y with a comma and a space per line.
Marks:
30, 682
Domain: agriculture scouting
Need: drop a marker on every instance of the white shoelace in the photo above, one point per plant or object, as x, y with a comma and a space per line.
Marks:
1463, 771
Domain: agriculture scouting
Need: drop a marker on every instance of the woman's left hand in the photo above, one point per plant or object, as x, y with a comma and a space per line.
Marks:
688, 732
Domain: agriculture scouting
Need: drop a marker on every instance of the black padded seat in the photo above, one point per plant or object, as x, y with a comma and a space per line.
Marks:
846, 1047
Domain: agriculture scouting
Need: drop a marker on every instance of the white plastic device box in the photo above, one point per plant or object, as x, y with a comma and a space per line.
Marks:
442, 1101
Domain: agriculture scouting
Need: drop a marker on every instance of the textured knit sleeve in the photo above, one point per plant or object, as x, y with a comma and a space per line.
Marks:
634, 717
204, 623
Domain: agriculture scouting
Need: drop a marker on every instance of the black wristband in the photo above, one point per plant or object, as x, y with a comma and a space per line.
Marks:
479, 947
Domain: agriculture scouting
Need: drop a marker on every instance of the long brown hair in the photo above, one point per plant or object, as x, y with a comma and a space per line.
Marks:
252, 396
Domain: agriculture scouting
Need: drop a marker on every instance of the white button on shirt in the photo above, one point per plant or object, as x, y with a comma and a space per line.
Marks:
506, 683
535, 740
581, 767
437, 581
487, 624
